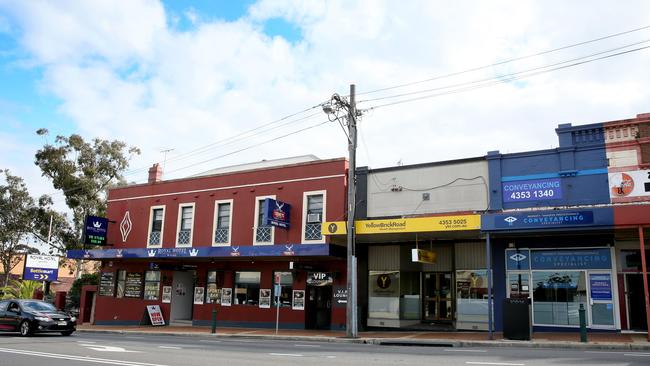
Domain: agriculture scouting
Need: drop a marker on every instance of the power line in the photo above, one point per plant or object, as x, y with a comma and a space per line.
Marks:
505, 61
502, 81
504, 75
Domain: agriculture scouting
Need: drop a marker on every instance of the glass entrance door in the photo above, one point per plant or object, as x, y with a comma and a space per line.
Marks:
437, 297
601, 299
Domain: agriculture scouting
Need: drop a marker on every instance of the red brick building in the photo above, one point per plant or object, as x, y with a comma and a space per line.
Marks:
202, 243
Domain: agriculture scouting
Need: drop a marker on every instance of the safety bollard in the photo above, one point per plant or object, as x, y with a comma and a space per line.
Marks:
583, 324
214, 321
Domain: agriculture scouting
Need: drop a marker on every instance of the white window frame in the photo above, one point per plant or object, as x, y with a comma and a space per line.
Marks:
257, 213
214, 222
304, 215
162, 227
178, 223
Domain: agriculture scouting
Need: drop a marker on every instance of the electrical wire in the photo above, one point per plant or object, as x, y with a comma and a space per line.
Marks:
501, 81
505, 61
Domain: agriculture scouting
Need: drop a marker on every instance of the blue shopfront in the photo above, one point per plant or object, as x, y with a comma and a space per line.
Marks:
561, 260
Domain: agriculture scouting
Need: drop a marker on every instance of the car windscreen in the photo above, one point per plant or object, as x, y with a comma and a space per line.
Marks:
37, 306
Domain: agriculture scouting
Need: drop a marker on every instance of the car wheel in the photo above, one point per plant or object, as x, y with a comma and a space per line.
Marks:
25, 328
67, 332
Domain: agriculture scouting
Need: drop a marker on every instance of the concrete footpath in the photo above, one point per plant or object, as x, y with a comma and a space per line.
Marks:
609, 341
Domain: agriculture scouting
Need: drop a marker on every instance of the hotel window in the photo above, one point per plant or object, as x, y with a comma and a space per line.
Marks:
214, 285
313, 216
121, 282
152, 285
157, 217
185, 220
263, 233
222, 222
247, 288
286, 282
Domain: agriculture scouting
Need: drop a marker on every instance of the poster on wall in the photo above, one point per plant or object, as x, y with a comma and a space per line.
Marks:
167, 294
213, 294
600, 286
265, 298
199, 295
107, 284
298, 302
226, 296
629, 184
133, 286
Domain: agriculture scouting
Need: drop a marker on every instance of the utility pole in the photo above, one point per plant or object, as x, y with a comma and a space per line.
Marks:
332, 108
351, 305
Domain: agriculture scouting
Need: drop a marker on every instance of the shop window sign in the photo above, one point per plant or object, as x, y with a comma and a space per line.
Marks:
518, 259
600, 286
599, 258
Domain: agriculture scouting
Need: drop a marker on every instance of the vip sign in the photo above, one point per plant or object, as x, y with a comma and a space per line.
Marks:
629, 184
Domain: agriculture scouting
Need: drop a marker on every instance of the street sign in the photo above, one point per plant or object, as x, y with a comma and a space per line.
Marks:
41, 268
340, 296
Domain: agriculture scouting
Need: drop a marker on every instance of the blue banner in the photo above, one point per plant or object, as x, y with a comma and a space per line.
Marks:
95, 230
517, 259
543, 219
532, 190
276, 213
600, 286
288, 250
41, 274
599, 258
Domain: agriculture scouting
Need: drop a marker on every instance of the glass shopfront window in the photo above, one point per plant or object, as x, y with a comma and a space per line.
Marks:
247, 288
384, 294
557, 296
471, 299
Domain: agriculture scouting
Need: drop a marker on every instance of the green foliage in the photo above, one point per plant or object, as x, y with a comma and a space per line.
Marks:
16, 212
17, 289
74, 295
83, 171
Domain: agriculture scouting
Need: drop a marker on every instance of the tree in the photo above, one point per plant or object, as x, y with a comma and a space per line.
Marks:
83, 171
17, 289
16, 209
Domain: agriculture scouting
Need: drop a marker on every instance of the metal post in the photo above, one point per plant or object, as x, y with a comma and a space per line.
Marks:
583, 323
488, 249
351, 306
214, 320
644, 272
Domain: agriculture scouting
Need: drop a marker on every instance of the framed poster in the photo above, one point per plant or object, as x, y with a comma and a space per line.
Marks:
265, 298
167, 294
133, 286
107, 284
226, 296
213, 294
298, 302
199, 295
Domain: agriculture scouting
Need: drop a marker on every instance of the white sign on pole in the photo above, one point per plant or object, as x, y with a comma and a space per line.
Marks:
42, 261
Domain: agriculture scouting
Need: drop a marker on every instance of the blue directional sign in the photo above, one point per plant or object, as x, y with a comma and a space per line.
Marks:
41, 268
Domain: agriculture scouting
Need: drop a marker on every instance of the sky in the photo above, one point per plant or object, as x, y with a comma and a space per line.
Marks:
219, 83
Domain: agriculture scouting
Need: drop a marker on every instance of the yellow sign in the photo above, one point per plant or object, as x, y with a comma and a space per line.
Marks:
423, 256
410, 225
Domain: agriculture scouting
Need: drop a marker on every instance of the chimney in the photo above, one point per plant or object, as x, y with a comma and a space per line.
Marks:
155, 174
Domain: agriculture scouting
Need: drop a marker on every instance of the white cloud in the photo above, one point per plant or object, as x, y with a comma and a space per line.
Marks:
127, 72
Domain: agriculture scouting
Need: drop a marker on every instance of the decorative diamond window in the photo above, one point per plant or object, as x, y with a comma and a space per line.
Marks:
154, 238
184, 236
313, 231
221, 235
263, 234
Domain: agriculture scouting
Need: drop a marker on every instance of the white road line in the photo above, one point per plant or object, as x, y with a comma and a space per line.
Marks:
307, 345
86, 342
77, 358
330, 356
209, 341
494, 363
637, 354
610, 352
285, 354
465, 350
169, 347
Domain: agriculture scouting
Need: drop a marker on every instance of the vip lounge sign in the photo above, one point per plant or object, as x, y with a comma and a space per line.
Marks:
319, 278
95, 230
276, 213
41, 268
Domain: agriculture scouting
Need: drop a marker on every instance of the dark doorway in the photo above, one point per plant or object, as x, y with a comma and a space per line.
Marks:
319, 307
437, 299
636, 301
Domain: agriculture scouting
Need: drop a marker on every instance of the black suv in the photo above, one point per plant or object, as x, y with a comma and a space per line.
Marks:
30, 316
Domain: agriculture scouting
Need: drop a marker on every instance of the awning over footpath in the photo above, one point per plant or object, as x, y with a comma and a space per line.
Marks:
248, 251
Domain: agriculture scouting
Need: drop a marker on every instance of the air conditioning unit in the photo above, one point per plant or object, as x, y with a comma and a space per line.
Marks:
313, 218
